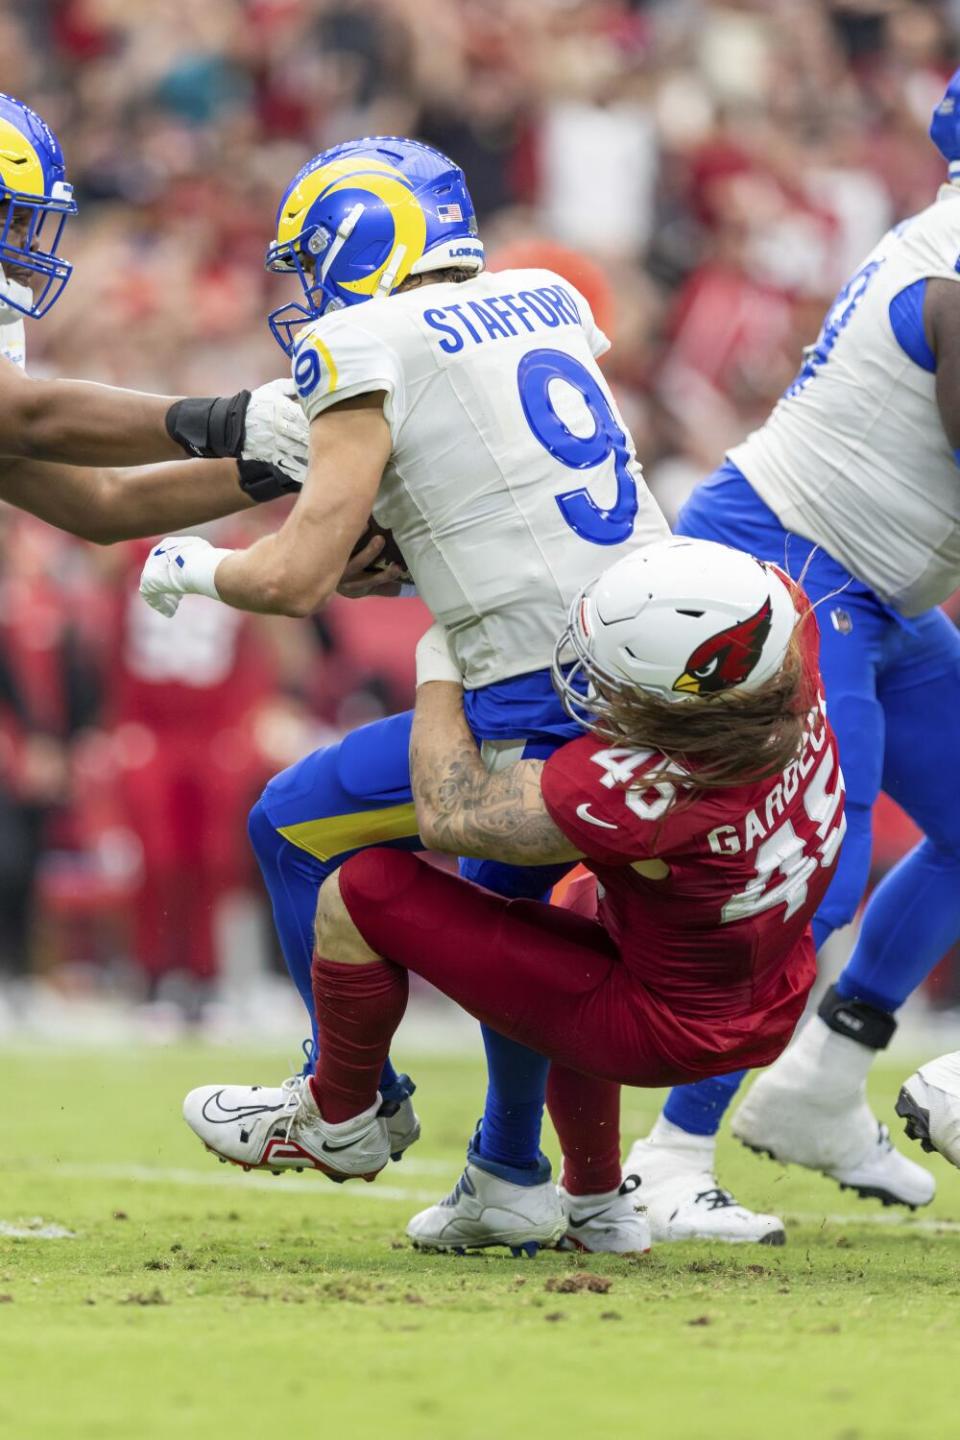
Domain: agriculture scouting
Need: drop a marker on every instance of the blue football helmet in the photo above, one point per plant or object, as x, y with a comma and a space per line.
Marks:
36, 201
945, 126
358, 219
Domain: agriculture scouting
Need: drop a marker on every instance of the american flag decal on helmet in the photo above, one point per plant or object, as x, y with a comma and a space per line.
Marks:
449, 213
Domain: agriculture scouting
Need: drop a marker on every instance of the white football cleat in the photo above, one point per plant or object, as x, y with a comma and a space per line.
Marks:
610, 1224
484, 1210
930, 1104
403, 1122
810, 1108
683, 1198
267, 1128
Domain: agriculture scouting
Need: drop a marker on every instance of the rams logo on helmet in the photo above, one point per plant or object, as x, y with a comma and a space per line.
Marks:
357, 220
36, 202
394, 223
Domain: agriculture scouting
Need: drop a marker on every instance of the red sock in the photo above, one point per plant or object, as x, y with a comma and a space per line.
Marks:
586, 1116
358, 1009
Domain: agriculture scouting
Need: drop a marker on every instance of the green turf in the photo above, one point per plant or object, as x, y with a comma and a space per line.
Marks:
196, 1302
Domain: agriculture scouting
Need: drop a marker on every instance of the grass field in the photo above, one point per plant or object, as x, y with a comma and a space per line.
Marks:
195, 1301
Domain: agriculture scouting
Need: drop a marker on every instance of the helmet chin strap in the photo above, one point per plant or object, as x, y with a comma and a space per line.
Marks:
389, 276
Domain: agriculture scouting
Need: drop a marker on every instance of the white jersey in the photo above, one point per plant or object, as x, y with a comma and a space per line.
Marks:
13, 341
13, 344
854, 456
512, 479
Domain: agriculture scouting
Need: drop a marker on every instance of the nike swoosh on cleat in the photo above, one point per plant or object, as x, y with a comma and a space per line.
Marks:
240, 1113
332, 1149
579, 1224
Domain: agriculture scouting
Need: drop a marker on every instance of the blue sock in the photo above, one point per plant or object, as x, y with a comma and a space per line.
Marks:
517, 1077
699, 1108
911, 920
513, 1112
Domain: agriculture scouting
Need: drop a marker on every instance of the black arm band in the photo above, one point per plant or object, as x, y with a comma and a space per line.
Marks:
857, 1020
210, 428
265, 482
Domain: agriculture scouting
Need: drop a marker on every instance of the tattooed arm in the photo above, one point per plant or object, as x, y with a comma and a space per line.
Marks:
464, 809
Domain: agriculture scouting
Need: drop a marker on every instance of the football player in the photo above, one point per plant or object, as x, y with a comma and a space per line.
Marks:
705, 796
854, 480
85, 425
467, 411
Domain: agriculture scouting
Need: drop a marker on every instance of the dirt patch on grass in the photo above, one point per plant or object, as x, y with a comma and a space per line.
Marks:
575, 1284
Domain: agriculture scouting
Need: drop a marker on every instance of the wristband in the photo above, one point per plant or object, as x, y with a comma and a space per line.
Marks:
199, 568
210, 428
434, 660
264, 482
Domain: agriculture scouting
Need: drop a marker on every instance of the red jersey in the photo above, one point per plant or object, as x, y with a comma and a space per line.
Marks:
706, 899
200, 674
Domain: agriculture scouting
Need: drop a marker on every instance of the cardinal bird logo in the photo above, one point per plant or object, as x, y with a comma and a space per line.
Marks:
728, 657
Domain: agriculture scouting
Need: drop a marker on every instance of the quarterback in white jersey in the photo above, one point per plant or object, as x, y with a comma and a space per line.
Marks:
487, 441
467, 412
855, 480
511, 474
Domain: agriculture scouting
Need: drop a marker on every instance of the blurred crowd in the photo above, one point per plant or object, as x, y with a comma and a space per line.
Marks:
719, 166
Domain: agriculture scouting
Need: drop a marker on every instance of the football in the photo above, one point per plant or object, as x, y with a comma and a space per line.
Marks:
389, 555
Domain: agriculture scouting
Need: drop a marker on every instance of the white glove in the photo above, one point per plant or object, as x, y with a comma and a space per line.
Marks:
179, 565
434, 658
276, 429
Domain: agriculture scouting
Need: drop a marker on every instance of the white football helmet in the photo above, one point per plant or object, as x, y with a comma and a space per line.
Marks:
678, 618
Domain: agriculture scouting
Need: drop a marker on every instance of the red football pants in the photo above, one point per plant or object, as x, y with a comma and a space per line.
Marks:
545, 977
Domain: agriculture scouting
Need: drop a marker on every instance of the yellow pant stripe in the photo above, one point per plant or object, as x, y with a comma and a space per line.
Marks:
336, 833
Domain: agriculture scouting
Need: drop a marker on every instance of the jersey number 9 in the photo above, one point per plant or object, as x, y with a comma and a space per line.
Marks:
600, 525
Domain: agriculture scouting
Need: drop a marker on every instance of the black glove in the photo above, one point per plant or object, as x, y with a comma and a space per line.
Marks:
265, 482
211, 428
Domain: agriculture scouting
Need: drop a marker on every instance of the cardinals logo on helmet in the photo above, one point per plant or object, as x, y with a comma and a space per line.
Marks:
728, 657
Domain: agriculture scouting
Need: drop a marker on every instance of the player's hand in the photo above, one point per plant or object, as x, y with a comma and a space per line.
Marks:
435, 659
358, 581
276, 430
179, 565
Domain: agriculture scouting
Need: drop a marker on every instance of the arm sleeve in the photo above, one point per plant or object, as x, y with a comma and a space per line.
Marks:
336, 358
586, 789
